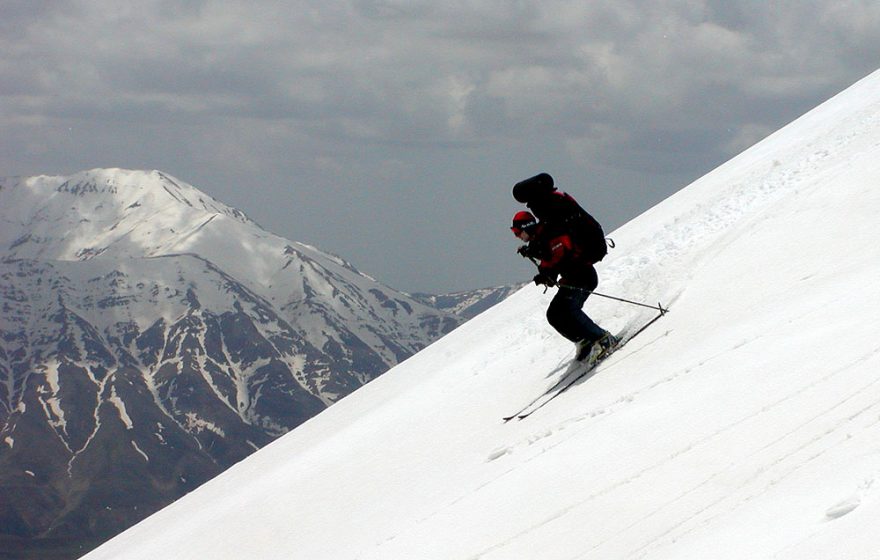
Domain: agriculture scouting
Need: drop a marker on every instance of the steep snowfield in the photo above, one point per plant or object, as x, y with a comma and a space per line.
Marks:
744, 424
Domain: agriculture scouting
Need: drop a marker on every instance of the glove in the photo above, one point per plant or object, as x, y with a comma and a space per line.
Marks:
545, 279
525, 251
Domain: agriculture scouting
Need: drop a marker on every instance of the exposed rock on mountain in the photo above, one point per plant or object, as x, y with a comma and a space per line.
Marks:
151, 336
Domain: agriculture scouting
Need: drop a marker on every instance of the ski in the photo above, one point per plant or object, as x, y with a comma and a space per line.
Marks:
568, 381
570, 376
531, 403
564, 385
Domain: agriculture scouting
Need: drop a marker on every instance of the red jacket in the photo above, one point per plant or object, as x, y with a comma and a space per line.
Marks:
556, 251
560, 255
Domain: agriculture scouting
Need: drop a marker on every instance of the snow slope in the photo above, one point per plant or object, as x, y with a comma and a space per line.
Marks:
744, 424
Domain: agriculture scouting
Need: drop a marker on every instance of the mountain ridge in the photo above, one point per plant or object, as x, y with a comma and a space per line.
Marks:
144, 324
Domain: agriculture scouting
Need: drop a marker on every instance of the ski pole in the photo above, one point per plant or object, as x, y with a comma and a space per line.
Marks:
659, 306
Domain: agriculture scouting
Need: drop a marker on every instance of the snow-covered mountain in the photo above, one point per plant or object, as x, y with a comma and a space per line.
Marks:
743, 424
151, 336
470, 303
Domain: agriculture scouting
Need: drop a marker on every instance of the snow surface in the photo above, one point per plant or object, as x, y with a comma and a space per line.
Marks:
744, 424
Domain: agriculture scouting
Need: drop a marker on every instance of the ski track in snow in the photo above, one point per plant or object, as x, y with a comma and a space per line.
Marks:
705, 515
622, 400
709, 225
560, 433
618, 357
780, 464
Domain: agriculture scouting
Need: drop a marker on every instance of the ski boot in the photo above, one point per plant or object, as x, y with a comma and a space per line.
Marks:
592, 352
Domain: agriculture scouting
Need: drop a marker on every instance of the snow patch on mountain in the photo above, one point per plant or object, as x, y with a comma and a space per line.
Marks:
470, 303
151, 336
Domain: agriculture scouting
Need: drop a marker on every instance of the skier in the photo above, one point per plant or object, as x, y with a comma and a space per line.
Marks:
559, 254
561, 212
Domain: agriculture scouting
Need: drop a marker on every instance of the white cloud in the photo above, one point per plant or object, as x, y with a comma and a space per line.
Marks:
341, 92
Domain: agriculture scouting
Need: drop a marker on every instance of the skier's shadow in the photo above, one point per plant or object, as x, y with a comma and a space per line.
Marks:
574, 374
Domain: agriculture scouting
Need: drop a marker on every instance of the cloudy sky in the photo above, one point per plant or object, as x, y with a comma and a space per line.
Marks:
391, 132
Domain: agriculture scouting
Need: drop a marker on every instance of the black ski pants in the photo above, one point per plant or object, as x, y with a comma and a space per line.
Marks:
566, 313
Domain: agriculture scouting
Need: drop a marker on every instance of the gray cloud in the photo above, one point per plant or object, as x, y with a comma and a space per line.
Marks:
390, 132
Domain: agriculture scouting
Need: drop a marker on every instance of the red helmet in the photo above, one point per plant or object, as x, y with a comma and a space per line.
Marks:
523, 221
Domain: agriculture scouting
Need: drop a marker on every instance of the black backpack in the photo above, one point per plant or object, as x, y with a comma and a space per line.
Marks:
560, 212
533, 188
586, 232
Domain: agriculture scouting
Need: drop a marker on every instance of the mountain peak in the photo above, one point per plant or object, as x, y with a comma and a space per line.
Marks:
151, 336
81, 216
